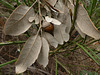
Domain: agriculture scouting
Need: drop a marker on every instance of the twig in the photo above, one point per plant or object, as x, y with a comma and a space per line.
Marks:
40, 15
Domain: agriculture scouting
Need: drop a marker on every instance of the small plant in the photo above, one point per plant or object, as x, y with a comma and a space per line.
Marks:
54, 22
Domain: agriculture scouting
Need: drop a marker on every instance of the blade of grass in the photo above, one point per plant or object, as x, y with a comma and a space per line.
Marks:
71, 43
29, 3
27, 34
87, 52
79, 73
9, 70
0, 71
84, 40
64, 67
75, 11
75, 16
11, 43
93, 4
18, 3
92, 42
9, 62
56, 50
56, 65
6, 4
25, 2
92, 52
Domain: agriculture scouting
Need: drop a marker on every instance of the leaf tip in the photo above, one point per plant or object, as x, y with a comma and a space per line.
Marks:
19, 69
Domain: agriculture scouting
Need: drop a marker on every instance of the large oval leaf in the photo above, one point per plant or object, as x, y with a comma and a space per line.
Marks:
43, 56
60, 34
52, 41
29, 53
85, 24
18, 22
